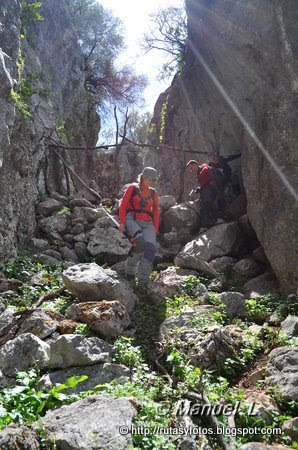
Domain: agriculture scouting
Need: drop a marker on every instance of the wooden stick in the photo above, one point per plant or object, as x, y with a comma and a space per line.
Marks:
92, 191
49, 296
68, 147
212, 419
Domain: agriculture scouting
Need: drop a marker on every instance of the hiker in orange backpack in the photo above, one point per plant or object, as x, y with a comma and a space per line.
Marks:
139, 217
207, 190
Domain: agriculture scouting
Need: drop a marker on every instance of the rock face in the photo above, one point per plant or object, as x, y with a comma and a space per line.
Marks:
53, 73
90, 424
282, 371
231, 44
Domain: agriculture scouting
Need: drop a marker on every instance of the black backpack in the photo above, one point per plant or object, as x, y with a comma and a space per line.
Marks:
218, 177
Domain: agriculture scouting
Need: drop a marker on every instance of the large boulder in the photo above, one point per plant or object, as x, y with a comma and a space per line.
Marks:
184, 216
290, 326
109, 243
246, 268
6, 318
216, 346
262, 285
87, 214
234, 303
90, 282
40, 324
290, 428
23, 438
282, 371
187, 323
264, 406
220, 240
48, 207
166, 202
55, 224
107, 318
91, 423
75, 350
171, 282
188, 259
222, 264
21, 353
97, 374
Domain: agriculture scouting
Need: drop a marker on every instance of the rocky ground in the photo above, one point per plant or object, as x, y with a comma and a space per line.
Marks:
84, 352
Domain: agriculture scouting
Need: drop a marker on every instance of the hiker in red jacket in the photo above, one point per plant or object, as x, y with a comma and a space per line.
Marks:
207, 190
139, 216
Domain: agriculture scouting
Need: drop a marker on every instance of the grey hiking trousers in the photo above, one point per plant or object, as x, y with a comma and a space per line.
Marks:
141, 261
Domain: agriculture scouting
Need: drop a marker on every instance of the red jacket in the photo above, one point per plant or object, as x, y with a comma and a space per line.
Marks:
134, 202
205, 176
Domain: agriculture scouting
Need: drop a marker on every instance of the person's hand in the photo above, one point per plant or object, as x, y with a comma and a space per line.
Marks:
121, 228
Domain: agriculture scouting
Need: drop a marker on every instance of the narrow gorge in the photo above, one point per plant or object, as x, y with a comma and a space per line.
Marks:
206, 356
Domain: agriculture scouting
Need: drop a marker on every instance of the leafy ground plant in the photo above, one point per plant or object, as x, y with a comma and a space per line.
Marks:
25, 403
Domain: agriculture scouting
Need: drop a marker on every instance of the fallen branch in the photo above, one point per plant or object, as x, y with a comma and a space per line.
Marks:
211, 419
163, 369
11, 329
170, 147
142, 145
92, 191
49, 296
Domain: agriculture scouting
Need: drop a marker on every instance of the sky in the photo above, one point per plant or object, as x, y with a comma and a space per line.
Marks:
136, 21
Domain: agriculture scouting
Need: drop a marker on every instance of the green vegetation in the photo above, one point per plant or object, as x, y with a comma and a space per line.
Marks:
162, 372
168, 34
163, 114
62, 132
261, 308
30, 13
22, 96
82, 329
58, 305
25, 402
100, 36
23, 268
138, 126
20, 103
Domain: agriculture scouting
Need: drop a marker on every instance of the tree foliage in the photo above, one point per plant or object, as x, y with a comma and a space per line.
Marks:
30, 12
138, 126
100, 36
168, 34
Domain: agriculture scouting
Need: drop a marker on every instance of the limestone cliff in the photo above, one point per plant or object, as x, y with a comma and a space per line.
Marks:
250, 49
42, 95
